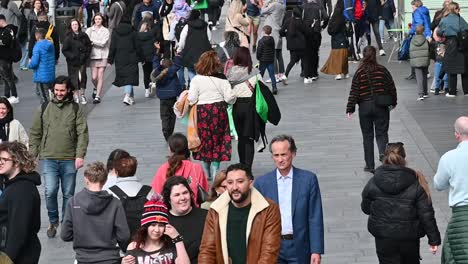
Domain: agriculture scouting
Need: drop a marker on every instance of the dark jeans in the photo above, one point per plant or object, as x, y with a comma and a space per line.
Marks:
271, 71
168, 117
89, 9
295, 57
372, 117
42, 91
147, 69
6, 74
311, 55
288, 253
375, 28
246, 150
279, 63
397, 252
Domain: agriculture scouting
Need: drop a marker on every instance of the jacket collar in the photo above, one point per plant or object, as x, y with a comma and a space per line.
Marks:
221, 206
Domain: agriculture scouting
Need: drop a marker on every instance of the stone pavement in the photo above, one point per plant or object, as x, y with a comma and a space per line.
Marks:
328, 144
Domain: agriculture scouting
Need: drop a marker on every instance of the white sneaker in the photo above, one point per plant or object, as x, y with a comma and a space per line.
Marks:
283, 77
429, 76
360, 56
346, 76
426, 96
13, 100
314, 78
213, 28
83, 100
307, 80
127, 100
76, 99
339, 77
420, 98
382, 52
268, 80
132, 100
450, 95
147, 93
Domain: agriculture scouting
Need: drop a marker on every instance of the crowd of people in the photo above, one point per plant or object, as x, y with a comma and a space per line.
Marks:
194, 212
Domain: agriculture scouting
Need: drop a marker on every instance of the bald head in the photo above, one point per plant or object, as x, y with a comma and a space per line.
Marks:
461, 126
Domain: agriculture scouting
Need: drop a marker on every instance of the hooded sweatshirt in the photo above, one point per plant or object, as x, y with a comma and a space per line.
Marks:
95, 222
20, 218
419, 51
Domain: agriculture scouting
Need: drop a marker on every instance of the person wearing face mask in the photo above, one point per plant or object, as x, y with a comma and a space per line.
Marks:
183, 216
218, 188
10, 128
20, 205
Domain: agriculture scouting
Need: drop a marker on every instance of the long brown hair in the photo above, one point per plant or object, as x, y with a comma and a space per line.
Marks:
369, 62
220, 177
142, 234
178, 145
395, 154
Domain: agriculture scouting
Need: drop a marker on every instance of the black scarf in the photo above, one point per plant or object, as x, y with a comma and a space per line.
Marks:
5, 126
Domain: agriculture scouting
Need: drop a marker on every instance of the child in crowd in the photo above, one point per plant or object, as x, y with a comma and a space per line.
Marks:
419, 60
266, 56
440, 83
168, 87
43, 64
95, 221
156, 241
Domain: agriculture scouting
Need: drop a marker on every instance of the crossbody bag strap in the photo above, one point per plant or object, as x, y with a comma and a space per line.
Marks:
252, 89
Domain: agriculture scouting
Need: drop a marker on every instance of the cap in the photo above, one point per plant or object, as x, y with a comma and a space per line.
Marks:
154, 211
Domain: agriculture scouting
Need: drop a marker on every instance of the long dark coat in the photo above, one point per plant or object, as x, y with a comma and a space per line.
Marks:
124, 52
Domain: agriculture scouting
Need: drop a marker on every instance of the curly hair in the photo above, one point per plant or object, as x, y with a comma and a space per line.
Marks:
20, 155
208, 64
141, 235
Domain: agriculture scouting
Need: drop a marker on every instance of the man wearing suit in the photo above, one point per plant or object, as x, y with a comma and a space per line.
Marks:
297, 193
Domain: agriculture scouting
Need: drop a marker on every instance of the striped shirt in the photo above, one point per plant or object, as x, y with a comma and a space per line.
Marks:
381, 81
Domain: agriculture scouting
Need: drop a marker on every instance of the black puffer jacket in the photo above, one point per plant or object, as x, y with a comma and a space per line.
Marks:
124, 52
76, 48
294, 30
146, 45
266, 50
196, 42
398, 207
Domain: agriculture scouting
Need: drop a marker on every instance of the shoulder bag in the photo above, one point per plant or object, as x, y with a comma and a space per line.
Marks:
382, 100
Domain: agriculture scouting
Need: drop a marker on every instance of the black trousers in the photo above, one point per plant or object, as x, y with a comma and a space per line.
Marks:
373, 118
279, 63
397, 252
452, 79
295, 57
6, 74
147, 69
311, 55
90, 8
214, 13
246, 150
168, 118
77, 76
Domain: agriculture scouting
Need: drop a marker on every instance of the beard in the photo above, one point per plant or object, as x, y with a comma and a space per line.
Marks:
242, 198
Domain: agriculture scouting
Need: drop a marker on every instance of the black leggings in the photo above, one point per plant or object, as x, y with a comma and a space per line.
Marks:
147, 69
89, 10
279, 63
246, 149
397, 252
296, 56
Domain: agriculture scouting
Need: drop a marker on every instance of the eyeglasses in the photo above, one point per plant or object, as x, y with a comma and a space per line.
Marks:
4, 160
397, 144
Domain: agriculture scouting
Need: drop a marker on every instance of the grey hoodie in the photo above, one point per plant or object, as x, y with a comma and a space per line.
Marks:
95, 222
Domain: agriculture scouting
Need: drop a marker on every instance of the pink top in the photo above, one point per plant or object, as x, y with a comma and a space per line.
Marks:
191, 171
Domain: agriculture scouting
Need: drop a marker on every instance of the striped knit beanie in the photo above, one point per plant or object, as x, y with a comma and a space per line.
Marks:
154, 211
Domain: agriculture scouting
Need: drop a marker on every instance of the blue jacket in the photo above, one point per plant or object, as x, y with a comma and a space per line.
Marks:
43, 62
421, 17
450, 25
306, 209
168, 85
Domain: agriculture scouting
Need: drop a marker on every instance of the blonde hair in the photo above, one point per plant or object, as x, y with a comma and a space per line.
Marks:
451, 8
417, 3
419, 29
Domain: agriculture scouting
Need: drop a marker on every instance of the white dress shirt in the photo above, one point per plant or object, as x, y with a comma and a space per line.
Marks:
285, 201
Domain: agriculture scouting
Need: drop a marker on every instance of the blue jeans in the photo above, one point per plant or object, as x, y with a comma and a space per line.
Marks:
271, 71
55, 172
23, 63
128, 89
389, 24
191, 73
436, 83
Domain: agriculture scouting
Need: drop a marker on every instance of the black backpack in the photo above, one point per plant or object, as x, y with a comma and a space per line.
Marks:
179, 27
7, 38
133, 206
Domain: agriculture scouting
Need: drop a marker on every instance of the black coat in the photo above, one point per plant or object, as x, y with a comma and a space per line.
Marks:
398, 207
20, 218
76, 48
374, 10
454, 60
295, 31
196, 42
266, 50
124, 52
55, 37
11, 53
146, 45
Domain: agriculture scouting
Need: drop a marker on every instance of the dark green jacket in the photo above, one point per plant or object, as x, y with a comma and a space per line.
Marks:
61, 133
455, 249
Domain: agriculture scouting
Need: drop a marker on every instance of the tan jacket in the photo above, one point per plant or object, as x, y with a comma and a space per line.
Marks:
101, 40
263, 232
236, 22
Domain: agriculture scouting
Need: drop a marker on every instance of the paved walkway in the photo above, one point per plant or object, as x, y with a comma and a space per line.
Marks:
328, 144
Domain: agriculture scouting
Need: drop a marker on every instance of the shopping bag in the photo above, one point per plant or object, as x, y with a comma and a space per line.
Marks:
232, 127
261, 105
194, 142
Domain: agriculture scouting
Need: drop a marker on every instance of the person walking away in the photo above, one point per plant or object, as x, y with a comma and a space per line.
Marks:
164, 76
315, 18
10, 51
95, 220
116, 11
113, 158
420, 17
370, 80
419, 60
211, 93
294, 30
146, 39
59, 137
165, 12
10, 128
387, 19
374, 11
100, 37
266, 56
237, 22
252, 12
273, 12
214, 7
450, 175
180, 165
77, 48
20, 205
227, 48
337, 62
455, 62
125, 53
363, 30
43, 64
397, 188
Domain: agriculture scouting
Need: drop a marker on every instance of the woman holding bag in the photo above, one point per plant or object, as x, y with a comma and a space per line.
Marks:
211, 92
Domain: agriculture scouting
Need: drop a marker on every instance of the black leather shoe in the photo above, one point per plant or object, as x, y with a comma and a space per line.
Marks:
411, 77
367, 169
275, 91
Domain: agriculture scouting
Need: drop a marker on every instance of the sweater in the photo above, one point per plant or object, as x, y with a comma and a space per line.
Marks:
20, 218
210, 89
95, 222
192, 236
147, 10
450, 25
266, 50
366, 83
43, 62
100, 39
419, 51
18, 133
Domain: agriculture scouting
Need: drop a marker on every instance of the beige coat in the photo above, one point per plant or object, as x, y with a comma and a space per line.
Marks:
18, 133
100, 39
236, 22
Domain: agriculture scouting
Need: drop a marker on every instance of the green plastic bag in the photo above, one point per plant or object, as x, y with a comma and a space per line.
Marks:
232, 127
201, 4
260, 103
